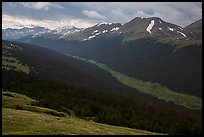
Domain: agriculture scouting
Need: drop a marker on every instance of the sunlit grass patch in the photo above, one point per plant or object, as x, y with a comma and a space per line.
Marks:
21, 122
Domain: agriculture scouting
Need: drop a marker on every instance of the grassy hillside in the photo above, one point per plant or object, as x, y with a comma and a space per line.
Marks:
22, 121
11, 62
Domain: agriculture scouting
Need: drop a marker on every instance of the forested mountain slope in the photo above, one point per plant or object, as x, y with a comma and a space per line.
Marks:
89, 92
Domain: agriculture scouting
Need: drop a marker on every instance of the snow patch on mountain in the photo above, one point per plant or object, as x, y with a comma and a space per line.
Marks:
180, 28
66, 30
90, 37
62, 36
60, 30
150, 26
160, 21
94, 31
181, 33
40, 33
160, 28
104, 31
171, 29
104, 23
115, 29
98, 33
35, 35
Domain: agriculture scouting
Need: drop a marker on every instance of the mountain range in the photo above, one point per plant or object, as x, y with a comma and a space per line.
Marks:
139, 48
139, 27
37, 31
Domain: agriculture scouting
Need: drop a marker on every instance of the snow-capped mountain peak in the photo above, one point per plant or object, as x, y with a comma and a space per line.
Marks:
152, 26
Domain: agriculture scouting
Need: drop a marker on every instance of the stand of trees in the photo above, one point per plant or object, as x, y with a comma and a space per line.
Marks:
102, 106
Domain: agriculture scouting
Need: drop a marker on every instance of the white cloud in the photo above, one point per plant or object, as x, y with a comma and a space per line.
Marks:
141, 13
119, 14
13, 21
180, 13
41, 5
93, 14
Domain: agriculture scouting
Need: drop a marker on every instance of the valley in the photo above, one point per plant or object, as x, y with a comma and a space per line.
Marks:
153, 89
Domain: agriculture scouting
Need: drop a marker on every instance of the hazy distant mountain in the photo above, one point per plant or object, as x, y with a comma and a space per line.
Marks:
16, 33
56, 34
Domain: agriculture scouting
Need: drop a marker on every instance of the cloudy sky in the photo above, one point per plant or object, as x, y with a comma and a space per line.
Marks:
86, 14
